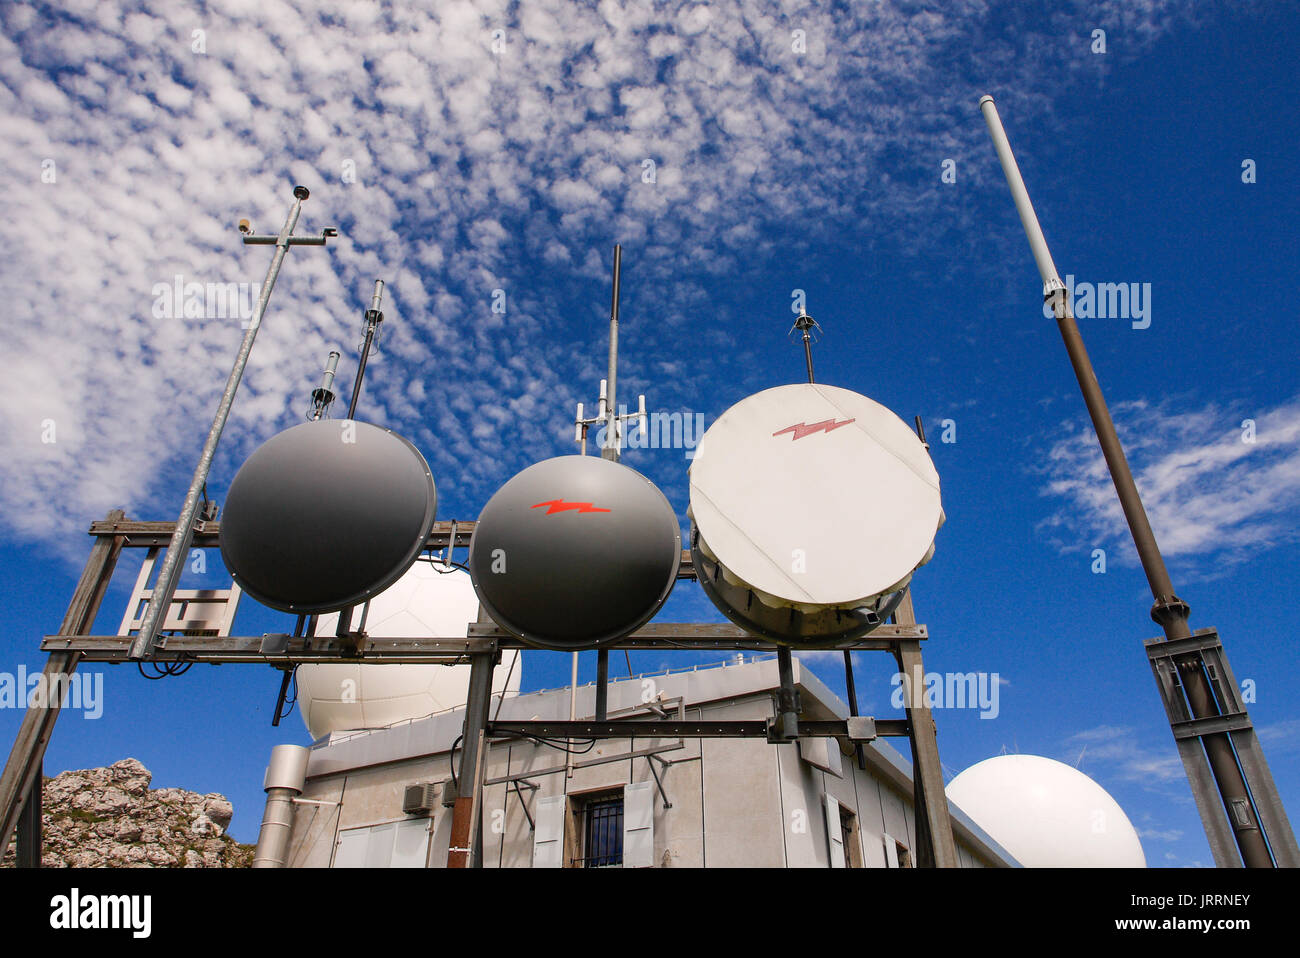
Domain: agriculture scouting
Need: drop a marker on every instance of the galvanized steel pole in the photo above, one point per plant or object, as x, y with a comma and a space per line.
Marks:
170, 569
374, 316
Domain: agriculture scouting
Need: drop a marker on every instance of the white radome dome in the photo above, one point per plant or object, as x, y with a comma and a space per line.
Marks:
424, 602
1047, 814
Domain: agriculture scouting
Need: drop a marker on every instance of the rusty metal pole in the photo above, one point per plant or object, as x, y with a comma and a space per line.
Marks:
464, 850
1169, 611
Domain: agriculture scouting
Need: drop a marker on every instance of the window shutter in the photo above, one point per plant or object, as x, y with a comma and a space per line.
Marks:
411, 844
835, 832
351, 852
891, 852
548, 836
639, 825
379, 850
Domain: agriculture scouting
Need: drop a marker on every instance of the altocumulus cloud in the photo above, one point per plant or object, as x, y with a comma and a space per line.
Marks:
463, 149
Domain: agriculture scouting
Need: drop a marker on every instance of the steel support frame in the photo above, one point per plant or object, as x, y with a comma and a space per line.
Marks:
284, 650
936, 846
28, 845
481, 649
466, 848
527, 776
22, 772
1204, 650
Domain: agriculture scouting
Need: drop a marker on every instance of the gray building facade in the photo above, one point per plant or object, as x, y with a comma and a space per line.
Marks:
647, 802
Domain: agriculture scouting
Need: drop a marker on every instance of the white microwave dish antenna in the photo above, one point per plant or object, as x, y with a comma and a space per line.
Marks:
812, 507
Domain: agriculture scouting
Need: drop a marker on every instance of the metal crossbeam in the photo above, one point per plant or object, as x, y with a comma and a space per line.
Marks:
642, 728
283, 649
719, 635
207, 534
276, 649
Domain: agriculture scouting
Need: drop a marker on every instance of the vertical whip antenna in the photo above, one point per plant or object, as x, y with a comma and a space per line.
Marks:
608, 412
805, 324
611, 450
374, 316
323, 395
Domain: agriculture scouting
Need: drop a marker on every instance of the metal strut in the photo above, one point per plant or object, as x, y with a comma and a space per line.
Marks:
650, 760
22, 772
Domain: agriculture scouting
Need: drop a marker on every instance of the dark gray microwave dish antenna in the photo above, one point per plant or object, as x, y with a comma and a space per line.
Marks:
575, 552
326, 515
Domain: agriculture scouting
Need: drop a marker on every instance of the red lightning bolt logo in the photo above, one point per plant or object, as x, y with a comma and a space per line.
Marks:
559, 505
803, 429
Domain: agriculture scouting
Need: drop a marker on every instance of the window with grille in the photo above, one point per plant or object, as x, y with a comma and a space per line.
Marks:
602, 845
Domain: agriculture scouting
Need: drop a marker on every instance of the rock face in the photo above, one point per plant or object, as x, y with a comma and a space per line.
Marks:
108, 817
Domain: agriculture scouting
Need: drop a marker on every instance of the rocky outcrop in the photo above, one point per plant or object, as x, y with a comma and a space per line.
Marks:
109, 817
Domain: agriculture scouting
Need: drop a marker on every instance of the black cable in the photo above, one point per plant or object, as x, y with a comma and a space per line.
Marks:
435, 562
454, 785
163, 670
289, 701
552, 743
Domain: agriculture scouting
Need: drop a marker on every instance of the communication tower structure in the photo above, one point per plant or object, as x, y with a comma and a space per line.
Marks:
873, 616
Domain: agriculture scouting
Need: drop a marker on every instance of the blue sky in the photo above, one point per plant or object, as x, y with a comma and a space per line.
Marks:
453, 170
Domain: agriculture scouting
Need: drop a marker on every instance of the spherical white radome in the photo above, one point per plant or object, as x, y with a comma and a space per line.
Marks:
1047, 814
424, 602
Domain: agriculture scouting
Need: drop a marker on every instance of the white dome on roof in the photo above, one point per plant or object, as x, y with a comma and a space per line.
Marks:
1047, 814
424, 602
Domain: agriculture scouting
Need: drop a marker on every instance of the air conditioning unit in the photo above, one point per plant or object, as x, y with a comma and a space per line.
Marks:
422, 799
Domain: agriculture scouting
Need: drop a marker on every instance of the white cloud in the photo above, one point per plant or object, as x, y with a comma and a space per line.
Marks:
1161, 835
1281, 736
1207, 491
1126, 758
473, 169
